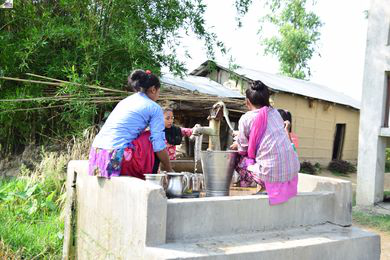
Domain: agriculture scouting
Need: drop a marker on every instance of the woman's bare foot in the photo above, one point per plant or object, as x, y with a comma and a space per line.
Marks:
260, 190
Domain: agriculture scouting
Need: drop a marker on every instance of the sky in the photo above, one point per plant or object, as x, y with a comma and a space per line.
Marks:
342, 43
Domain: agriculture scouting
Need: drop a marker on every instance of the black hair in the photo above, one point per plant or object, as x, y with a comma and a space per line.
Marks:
142, 81
258, 94
286, 115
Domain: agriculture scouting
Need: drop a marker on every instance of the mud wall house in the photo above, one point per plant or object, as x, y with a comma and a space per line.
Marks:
325, 121
191, 99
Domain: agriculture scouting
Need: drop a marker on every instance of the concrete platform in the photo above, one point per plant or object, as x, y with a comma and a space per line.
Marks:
127, 218
218, 216
327, 241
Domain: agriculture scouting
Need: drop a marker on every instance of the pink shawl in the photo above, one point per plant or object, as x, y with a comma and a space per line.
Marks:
256, 134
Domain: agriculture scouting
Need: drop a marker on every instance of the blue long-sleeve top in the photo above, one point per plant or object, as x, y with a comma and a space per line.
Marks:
128, 119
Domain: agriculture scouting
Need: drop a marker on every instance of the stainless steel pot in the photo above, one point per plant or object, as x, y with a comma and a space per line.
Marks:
158, 179
218, 167
194, 182
176, 183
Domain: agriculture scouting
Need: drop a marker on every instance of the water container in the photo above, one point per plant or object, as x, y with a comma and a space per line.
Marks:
218, 167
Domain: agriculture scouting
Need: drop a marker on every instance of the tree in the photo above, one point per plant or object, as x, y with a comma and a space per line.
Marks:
298, 34
88, 42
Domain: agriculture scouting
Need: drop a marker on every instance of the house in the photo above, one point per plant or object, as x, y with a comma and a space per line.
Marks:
191, 99
325, 121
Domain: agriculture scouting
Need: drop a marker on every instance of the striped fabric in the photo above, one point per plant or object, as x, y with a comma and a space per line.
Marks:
276, 160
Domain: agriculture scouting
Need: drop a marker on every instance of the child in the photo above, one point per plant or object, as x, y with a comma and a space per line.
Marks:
173, 134
267, 156
123, 147
287, 118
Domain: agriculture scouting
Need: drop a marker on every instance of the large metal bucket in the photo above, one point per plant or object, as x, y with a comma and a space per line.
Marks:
218, 167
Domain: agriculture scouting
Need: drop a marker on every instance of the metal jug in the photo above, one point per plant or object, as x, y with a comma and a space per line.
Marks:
197, 182
158, 179
176, 184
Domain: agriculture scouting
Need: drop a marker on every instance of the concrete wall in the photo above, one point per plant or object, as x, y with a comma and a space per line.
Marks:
320, 200
371, 167
342, 190
244, 214
116, 218
314, 121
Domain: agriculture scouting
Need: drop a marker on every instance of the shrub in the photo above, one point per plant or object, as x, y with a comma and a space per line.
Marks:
308, 167
318, 167
387, 166
387, 163
341, 167
31, 224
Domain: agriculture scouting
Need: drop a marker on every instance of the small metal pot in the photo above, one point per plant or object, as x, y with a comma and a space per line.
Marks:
158, 179
176, 184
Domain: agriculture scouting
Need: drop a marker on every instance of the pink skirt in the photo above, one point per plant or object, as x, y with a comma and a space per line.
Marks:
280, 192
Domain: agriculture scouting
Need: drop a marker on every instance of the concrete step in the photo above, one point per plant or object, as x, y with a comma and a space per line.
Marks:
222, 216
327, 241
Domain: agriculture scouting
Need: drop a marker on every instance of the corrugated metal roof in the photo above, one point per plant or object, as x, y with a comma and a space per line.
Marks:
289, 85
201, 85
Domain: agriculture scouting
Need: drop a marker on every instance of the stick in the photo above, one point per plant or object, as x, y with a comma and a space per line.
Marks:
61, 84
78, 84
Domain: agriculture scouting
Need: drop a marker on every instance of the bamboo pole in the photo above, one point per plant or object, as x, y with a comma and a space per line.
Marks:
62, 84
28, 109
194, 99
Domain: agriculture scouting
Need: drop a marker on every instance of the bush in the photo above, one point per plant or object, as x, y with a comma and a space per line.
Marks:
308, 167
341, 167
31, 225
387, 166
318, 167
387, 163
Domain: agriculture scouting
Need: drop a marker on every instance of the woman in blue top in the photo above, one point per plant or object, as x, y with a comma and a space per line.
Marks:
124, 146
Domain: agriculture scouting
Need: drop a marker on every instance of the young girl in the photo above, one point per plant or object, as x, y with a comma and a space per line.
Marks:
123, 147
267, 156
173, 134
287, 120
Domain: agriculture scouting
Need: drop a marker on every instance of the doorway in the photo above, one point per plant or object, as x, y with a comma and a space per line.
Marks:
338, 142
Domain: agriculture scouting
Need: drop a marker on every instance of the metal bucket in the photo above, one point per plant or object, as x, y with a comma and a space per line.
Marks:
218, 167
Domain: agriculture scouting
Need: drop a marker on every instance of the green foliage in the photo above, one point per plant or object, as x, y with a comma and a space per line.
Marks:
30, 217
298, 33
387, 162
30, 206
86, 42
308, 168
341, 167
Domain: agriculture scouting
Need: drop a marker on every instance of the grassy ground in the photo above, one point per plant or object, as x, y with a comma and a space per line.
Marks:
31, 225
380, 222
30, 220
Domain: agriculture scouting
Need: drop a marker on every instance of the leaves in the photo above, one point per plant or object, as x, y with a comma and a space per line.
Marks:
88, 42
298, 33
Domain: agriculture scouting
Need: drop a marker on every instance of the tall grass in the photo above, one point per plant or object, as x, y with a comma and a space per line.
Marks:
31, 225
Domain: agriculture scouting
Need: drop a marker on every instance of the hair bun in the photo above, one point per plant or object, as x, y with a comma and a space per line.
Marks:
138, 75
258, 85
137, 79
143, 79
